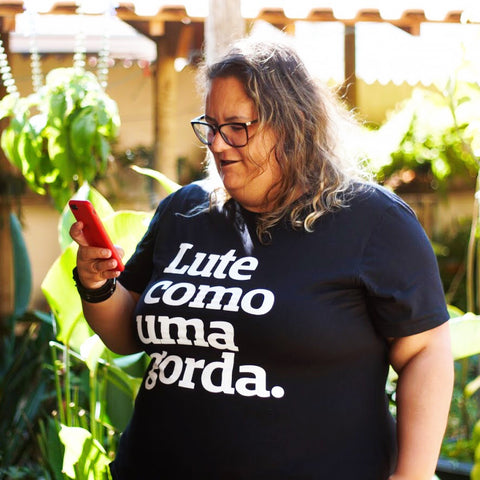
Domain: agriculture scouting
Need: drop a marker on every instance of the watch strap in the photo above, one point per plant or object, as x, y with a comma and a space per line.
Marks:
94, 295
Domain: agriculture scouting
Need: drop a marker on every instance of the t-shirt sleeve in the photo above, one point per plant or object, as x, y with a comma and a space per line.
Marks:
138, 269
400, 273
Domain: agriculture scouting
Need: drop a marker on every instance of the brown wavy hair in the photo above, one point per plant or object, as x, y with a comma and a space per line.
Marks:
309, 123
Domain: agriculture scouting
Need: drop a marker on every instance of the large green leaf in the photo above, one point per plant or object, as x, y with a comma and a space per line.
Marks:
92, 350
85, 458
29, 149
9, 144
124, 377
465, 332
61, 294
22, 269
121, 392
51, 448
58, 108
126, 228
169, 185
59, 153
82, 134
454, 312
7, 105
102, 147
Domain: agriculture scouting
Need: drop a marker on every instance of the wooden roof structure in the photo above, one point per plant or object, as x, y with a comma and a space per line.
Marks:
180, 25
177, 29
407, 18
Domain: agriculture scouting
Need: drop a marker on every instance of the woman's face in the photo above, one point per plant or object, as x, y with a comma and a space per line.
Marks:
248, 173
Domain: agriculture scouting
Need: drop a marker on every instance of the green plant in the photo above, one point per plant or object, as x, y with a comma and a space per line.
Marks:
451, 257
25, 390
25, 383
60, 137
95, 388
431, 138
433, 142
85, 371
87, 422
459, 443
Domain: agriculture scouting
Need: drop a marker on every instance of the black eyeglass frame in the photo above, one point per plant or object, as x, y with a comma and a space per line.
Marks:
218, 128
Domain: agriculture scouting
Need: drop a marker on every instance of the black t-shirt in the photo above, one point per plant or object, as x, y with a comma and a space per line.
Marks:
269, 361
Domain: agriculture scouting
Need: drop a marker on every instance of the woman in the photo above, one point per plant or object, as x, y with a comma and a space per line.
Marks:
272, 300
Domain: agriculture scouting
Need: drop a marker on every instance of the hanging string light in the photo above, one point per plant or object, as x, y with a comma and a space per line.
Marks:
79, 58
31, 10
80, 49
6, 72
104, 54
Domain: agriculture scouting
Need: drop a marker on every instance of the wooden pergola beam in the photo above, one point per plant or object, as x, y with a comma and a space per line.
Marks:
349, 88
410, 17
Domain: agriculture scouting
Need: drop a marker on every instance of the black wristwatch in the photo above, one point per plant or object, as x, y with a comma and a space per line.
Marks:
94, 295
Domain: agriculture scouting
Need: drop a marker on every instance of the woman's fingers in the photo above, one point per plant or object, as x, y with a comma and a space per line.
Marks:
76, 232
94, 264
94, 270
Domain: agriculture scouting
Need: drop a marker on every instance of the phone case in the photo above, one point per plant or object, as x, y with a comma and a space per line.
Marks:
93, 228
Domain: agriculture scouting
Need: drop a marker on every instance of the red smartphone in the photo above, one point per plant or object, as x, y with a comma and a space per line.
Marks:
93, 228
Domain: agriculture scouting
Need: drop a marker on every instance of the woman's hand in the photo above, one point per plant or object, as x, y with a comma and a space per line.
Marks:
110, 319
94, 264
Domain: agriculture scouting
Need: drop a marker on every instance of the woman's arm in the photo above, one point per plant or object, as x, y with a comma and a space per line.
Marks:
425, 368
112, 318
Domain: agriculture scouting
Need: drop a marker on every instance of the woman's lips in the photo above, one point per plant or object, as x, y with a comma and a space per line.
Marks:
226, 163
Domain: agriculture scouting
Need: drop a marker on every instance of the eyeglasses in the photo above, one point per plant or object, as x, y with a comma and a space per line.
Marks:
234, 134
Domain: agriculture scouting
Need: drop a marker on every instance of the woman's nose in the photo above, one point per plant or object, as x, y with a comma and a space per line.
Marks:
218, 143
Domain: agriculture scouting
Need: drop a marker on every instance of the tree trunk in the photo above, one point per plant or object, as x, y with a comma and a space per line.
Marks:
165, 86
223, 25
7, 293
7, 171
